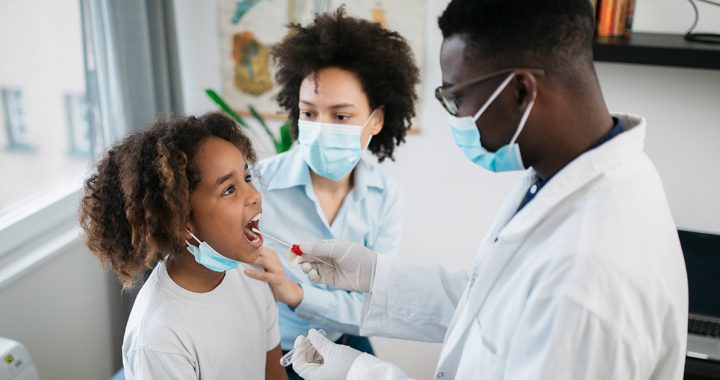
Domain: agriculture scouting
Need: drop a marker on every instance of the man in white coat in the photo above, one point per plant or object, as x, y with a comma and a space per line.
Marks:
581, 275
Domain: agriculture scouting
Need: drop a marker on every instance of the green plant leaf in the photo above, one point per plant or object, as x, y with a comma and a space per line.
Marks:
263, 124
285, 137
225, 107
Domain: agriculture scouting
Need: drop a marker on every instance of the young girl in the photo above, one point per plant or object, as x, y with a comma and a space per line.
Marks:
177, 198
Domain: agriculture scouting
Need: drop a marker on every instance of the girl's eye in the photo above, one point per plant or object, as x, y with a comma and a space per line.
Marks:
306, 115
248, 178
342, 117
229, 190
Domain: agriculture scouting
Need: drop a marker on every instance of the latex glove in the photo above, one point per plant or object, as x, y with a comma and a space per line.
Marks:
354, 265
284, 289
322, 359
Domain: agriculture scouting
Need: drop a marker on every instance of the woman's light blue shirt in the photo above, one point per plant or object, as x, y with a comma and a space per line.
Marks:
371, 214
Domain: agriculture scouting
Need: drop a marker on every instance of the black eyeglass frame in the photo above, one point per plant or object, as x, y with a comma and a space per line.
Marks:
444, 95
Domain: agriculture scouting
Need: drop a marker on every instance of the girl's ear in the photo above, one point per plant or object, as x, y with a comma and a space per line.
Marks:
376, 124
189, 233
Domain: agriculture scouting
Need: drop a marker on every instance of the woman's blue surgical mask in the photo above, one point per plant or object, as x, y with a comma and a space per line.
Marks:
331, 150
208, 257
467, 137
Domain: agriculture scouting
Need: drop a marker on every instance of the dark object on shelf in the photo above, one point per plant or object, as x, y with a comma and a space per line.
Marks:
657, 49
710, 38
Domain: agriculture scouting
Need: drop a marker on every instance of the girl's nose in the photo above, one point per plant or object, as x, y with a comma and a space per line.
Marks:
254, 198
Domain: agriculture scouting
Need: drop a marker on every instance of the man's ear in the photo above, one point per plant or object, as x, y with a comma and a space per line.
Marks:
525, 89
378, 121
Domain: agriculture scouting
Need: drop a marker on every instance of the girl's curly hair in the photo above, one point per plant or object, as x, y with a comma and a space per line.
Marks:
137, 203
382, 60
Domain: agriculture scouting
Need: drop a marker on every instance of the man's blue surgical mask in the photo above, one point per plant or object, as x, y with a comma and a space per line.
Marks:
331, 150
467, 137
208, 257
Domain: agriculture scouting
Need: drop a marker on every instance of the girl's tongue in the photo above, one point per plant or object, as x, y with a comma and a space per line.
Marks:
254, 239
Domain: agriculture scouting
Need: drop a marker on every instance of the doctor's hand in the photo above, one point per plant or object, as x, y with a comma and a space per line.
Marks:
284, 289
353, 266
321, 359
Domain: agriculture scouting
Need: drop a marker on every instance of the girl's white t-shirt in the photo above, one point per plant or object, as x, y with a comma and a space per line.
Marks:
174, 333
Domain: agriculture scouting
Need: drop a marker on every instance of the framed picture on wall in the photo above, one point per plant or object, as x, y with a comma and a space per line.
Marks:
248, 28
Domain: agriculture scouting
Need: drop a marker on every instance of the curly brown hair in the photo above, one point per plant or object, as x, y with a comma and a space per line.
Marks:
137, 203
382, 60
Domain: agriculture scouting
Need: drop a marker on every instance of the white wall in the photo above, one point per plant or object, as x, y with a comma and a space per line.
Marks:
450, 203
67, 314
683, 113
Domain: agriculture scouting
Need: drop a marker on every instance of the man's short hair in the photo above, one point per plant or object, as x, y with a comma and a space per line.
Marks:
554, 34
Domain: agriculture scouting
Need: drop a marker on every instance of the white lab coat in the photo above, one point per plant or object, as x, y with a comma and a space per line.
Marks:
587, 281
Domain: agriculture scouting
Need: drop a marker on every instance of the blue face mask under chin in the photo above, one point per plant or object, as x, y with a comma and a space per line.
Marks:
467, 138
208, 257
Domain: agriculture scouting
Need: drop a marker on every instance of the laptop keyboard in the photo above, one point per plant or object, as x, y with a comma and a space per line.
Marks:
703, 327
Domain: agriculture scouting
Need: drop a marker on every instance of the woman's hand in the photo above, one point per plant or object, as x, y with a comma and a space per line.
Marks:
285, 290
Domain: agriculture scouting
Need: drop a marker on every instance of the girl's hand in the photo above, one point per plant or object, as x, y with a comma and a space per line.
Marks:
285, 290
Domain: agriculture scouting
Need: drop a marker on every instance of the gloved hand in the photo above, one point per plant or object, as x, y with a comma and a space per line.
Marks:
322, 359
354, 265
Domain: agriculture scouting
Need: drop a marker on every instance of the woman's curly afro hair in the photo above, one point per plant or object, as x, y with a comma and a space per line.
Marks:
137, 203
382, 60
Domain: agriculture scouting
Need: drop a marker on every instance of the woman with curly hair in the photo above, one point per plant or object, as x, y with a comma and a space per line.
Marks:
349, 86
178, 199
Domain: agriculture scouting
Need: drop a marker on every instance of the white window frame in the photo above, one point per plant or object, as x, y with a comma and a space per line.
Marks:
38, 230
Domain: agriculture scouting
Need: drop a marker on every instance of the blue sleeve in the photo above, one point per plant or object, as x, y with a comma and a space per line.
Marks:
330, 308
340, 310
389, 237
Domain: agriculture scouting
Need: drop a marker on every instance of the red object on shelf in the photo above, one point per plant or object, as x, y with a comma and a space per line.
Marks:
296, 250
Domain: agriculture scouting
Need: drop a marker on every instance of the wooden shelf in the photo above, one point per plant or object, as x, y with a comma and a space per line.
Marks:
657, 49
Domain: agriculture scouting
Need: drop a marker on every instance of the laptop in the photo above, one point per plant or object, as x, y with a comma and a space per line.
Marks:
702, 260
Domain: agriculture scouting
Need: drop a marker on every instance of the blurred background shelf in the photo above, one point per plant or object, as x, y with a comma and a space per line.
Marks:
657, 49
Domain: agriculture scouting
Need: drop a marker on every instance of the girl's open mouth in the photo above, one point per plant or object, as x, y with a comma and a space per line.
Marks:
254, 239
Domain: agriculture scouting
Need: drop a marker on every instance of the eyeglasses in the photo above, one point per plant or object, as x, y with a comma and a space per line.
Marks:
448, 100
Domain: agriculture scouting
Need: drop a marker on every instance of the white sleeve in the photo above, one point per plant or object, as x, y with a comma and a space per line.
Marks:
147, 364
368, 367
272, 328
410, 301
558, 338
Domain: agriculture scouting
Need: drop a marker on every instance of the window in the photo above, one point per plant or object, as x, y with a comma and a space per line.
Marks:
75, 76
43, 62
15, 126
77, 125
